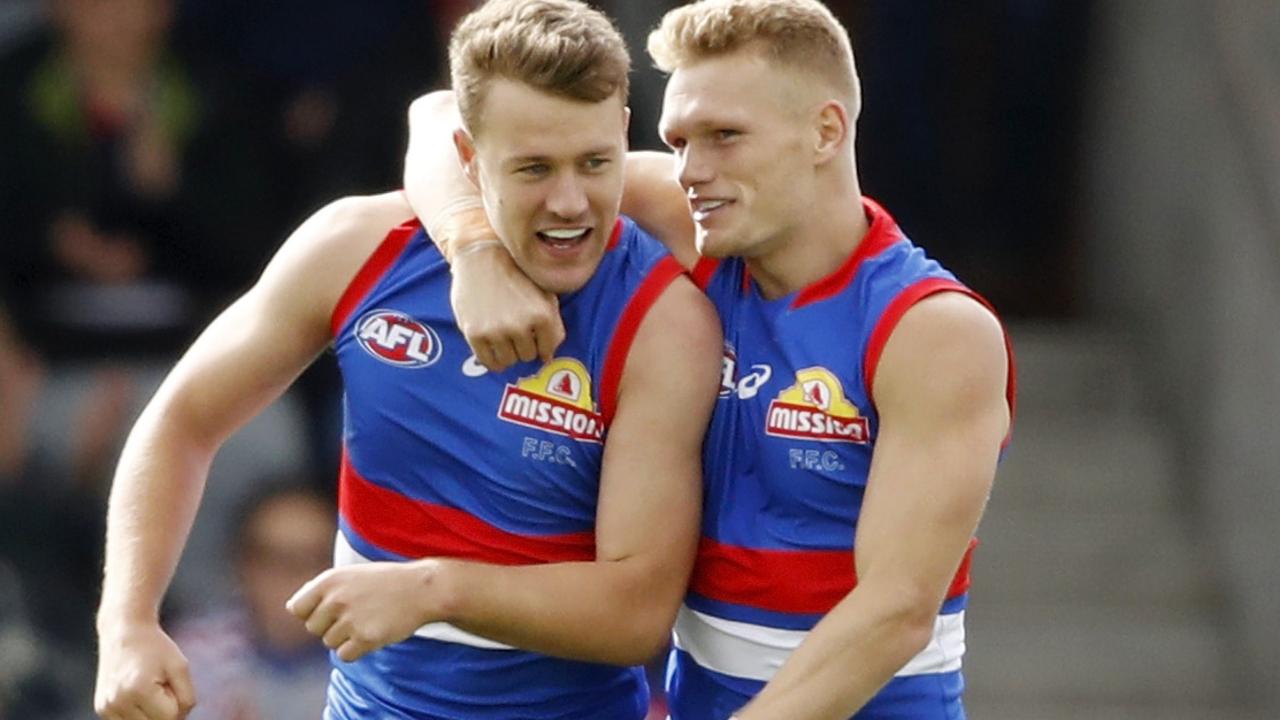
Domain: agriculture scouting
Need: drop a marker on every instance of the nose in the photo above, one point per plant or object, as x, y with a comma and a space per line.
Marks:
692, 168
568, 198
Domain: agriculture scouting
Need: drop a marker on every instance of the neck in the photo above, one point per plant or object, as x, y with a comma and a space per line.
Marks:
830, 229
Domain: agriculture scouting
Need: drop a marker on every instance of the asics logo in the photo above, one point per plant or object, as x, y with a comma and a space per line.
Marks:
747, 386
472, 368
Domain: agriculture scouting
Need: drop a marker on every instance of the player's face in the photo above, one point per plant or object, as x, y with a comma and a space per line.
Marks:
739, 136
550, 171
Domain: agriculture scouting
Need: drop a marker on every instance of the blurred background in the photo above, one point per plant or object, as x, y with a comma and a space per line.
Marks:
1107, 173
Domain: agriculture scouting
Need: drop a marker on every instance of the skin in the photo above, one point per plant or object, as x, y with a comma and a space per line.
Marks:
244, 360
776, 144
627, 597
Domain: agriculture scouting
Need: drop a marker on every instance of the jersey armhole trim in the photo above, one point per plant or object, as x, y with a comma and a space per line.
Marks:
615, 360
898, 307
702, 272
374, 267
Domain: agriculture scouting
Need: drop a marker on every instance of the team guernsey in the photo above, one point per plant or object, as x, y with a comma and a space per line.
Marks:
444, 459
785, 465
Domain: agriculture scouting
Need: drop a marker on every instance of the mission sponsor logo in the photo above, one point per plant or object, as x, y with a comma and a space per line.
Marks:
815, 408
557, 399
395, 338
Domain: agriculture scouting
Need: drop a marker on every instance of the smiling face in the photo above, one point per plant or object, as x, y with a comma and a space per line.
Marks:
739, 128
550, 172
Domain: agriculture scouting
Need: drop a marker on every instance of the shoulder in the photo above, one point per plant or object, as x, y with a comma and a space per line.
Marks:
682, 327
322, 256
948, 349
350, 226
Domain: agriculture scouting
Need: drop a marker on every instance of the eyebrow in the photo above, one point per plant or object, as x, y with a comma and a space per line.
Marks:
527, 159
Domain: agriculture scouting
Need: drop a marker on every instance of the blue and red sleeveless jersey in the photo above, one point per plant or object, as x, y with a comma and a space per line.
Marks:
444, 459
785, 466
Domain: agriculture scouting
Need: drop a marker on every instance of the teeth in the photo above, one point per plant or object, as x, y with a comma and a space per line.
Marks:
710, 205
566, 234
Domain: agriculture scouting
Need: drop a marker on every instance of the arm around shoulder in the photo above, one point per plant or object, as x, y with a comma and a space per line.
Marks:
650, 501
655, 200
624, 602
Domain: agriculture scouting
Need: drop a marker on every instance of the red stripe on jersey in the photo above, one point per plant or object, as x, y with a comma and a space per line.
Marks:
615, 360
899, 306
615, 235
702, 272
371, 272
416, 529
791, 581
882, 233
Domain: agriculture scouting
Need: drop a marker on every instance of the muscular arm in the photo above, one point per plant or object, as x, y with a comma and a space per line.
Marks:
238, 365
502, 314
617, 608
656, 201
940, 393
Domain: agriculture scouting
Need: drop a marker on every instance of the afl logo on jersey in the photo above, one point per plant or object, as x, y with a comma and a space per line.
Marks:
397, 339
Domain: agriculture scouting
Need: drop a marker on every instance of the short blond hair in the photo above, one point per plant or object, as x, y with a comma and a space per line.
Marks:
563, 47
802, 34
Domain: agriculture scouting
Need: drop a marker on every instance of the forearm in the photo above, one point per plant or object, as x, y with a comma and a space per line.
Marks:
442, 196
153, 503
653, 198
598, 611
845, 660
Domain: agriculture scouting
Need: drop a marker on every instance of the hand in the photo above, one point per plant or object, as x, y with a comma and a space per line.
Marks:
360, 608
505, 317
142, 675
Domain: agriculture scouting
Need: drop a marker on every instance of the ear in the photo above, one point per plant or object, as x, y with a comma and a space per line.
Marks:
626, 128
466, 148
833, 130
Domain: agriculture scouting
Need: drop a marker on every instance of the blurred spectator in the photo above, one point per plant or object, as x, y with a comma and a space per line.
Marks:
328, 82
110, 196
252, 660
127, 195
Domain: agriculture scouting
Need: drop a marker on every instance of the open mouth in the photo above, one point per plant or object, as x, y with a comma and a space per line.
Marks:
564, 239
703, 210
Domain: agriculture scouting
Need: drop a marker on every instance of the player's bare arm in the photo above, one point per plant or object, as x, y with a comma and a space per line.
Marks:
654, 198
502, 314
616, 609
240, 363
940, 394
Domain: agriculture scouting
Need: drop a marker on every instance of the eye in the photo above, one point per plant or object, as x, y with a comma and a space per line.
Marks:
534, 169
726, 134
596, 163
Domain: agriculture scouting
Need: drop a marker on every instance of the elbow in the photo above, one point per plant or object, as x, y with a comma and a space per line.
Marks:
647, 638
910, 621
645, 625
917, 633
657, 635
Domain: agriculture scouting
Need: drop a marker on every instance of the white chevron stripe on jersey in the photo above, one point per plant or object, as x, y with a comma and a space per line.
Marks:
344, 554
756, 652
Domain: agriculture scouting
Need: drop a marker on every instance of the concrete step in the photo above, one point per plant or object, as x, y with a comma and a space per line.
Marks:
1067, 653
1112, 557
1076, 369
1077, 462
